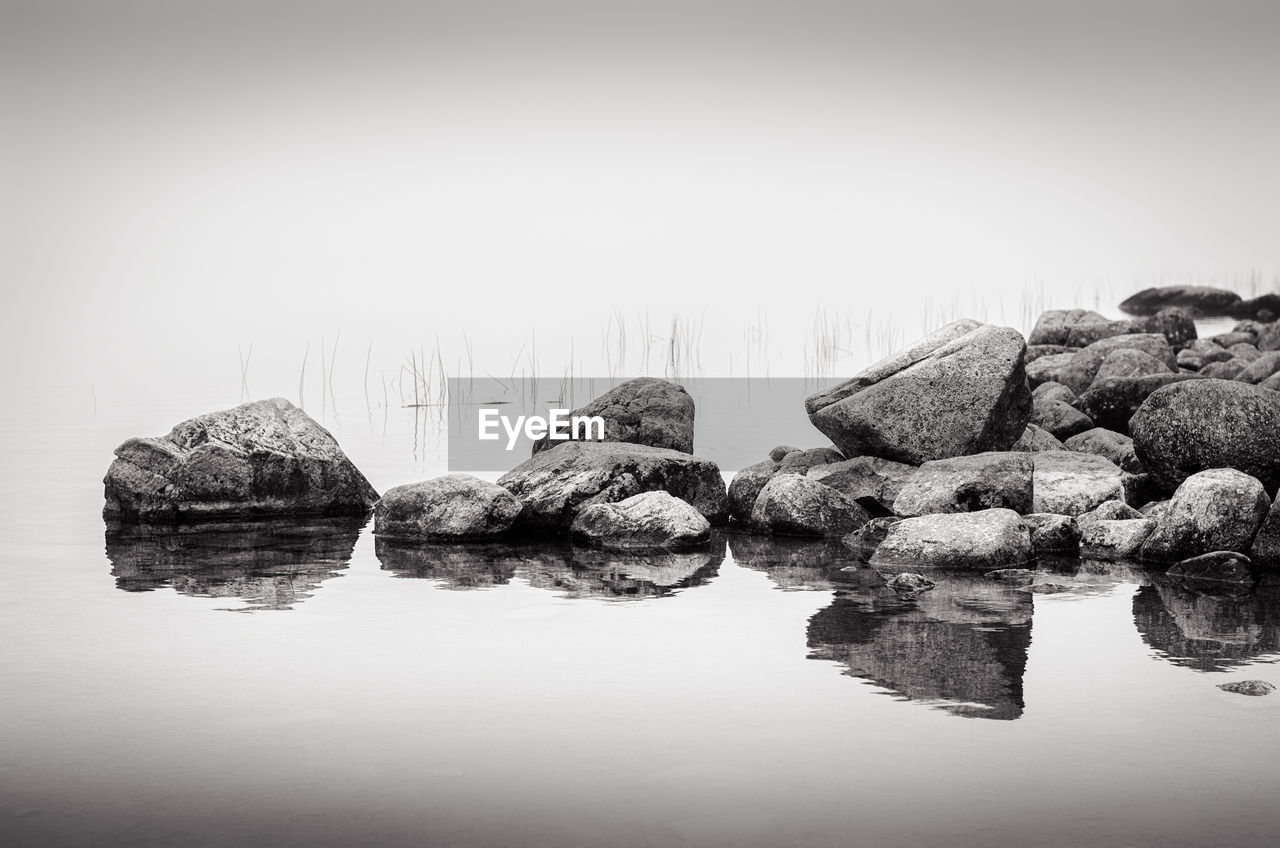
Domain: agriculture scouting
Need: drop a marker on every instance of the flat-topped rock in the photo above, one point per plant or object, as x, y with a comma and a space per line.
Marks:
1070, 483
984, 540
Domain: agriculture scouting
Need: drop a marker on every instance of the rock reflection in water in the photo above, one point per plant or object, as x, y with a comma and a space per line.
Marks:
961, 646
268, 564
795, 563
456, 565
1209, 627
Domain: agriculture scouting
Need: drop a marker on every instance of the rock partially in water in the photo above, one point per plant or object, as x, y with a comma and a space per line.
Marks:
745, 488
265, 458
643, 411
1059, 419
1216, 510
555, 485
1052, 533
1215, 567
474, 564
987, 539
1083, 369
907, 585
1201, 424
1016, 576
1199, 300
1053, 327
864, 541
647, 521
1110, 540
961, 390
1111, 402
795, 505
1070, 483
1253, 688
1035, 439
455, 506
967, 484
1265, 548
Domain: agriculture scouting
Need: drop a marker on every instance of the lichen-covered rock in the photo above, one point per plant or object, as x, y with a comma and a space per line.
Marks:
1200, 424
264, 458
1080, 373
1085, 333
991, 538
1199, 300
796, 505
1112, 401
643, 411
1114, 539
1059, 419
1052, 533
1215, 510
647, 521
1053, 327
745, 487
1036, 439
555, 485
1070, 483
1115, 447
960, 390
967, 484
456, 506
1128, 362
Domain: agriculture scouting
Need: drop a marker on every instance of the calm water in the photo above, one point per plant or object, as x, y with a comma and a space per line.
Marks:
309, 686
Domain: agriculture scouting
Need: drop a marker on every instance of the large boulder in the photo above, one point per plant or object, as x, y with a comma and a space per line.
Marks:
456, 506
555, 485
1083, 368
1215, 510
1112, 401
1070, 483
990, 538
647, 521
795, 505
264, 458
1053, 327
1201, 424
643, 411
968, 484
1199, 300
961, 390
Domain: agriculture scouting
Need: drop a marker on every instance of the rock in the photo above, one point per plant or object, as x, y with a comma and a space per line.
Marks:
1035, 439
1244, 352
1253, 328
1175, 324
1190, 360
1052, 533
864, 541
1011, 575
1209, 347
1113, 446
456, 506
643, 411
1053, 327
1059, 419
265, 458
1199, 300
780, 452
1047, 368
1260, 368
1081, 371
1264, 307
1070, 483
745, 488
1214, 567
1085, 333
1154, 510
977, 540
1111, 402
555, 485
1111, 540
794, 505
1130, 363
1141, 489
1110, 511
1223, 370
1035, 351
1269, 337
800, 461
961, 390
1216, 510
1048, 588
869, 480
1201, 424
1271, 384
968, 484
1265, 549
1235, 337
907, 585
1253, 688
647, 521
1054, 391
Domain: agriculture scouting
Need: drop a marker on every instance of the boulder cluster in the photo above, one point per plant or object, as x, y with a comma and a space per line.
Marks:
971, 448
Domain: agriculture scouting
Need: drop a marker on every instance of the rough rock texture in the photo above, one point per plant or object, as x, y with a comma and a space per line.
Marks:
865, 478
1112, 402
1272, 383
456, 506
1199, 300
1036, 439
643, 411
1081, 371
259, 459
992, 538
1128, 362
795, 505
1214, 567
1036, 351
1053, 327
1059, 419
1052, 533
1253, 688
1085, 333
1269, 337
1054, 391
779, 452
554, 485
1175, 323
1245, 351
1110, 511
1262, 367
1201, 424
1114, 539
864, 541
800, 461
647, 521
968, 484
745, 488
1216, 510
1070, 483
1265, 549
1227, 370
961, 390
907, 585
1046, 369
1113, 446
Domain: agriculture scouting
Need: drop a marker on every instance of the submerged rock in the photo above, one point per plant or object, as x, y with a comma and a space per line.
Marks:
1200, 300
647, 521
456, 506
1069, 483
908, 585
265, 458
795, 505
643, 411
555, 485
1216, 510
967, 484
1253, 688
1214, 567
982, 540
960, 390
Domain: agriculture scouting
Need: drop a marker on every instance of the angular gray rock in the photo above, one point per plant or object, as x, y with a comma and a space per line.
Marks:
265, 458
1052, 533
1081, 371
1110, 511
960, 390
908, 585
991, 538
968, 484
1059, 419
643, 411
555, 485
1036, 439
1070, 483
1201, 424
455, 506
1053, 327
1114, 539
865, 478
1215, 510
1046, 369
1199, 300
795, 505
647, 521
